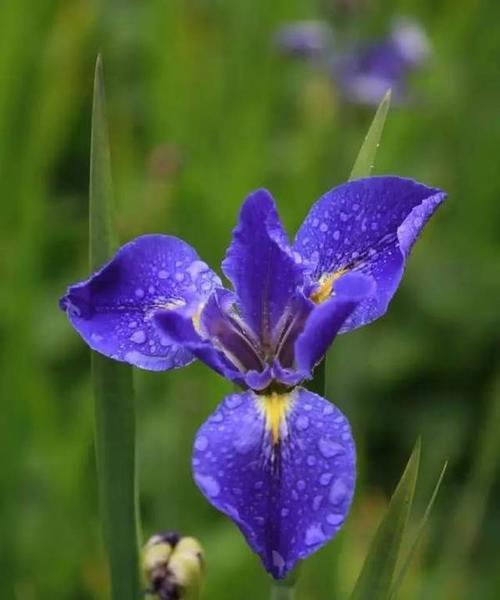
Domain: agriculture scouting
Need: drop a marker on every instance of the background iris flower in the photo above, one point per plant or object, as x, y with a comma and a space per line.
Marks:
276, 458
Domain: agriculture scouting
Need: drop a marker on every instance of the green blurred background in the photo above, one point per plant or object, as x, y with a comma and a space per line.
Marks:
202, 111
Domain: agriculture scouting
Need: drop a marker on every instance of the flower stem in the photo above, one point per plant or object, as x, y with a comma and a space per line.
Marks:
282, 591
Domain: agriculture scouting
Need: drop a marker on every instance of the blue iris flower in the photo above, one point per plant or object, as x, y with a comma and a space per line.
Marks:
276, 458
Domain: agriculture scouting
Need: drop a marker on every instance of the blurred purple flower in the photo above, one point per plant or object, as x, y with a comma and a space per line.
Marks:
367, 72
277, 459
304, 39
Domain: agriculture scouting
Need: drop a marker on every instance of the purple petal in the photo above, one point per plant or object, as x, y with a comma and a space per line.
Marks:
261, 266
304, 39
369, 226
325, 321
288, 497
113, 310
179, 327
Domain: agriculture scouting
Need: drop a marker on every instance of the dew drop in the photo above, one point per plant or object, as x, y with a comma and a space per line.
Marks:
139, 293
179, 276
338, 492
336, 235
334, 519
132, 324
328, 410
162, 274
233, 401
311, 460
323, 227
329, 449
314, 535
278, 560
302, 423
317, 500
201, 443
315, 222
285, 512
151, 289
138, 337
209, 485
325, 478
301, 485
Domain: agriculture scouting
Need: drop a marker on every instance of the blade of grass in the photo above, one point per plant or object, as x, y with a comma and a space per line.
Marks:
375, 579
366, 157
398, 579
112, 385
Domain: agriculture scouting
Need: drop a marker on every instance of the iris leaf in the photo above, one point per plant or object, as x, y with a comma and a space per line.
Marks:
112, 385
398, 580
366, 157
376, 577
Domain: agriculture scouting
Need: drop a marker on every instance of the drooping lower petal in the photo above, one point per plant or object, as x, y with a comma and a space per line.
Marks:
282, 467
368, 225
113, 310
327, 319
261, 266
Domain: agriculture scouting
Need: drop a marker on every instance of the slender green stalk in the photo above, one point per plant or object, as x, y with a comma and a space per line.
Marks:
112, 386
282, 592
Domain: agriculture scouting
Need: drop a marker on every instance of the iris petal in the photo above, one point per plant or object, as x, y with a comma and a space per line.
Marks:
368, 225
326, 319
261, 266
282, 468
113, 310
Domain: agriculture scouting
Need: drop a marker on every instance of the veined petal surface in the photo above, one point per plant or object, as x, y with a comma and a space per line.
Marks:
113, 310
282, 468
370, 226
261, 266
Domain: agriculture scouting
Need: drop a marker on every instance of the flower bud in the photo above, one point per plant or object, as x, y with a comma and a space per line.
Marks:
172, 566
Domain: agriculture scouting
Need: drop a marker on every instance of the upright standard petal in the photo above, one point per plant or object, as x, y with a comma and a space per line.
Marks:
113, 310
261, 266
282, 467
368, 225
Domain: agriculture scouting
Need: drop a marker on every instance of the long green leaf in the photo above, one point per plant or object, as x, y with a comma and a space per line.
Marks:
366, 157
398, 580
112, 385
375, 579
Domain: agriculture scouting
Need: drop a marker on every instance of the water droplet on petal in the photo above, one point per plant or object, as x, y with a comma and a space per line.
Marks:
329, 448
201, 443
323, 227
301, 485
338, 492
328, 410
179, 276
233, 401
162, 274
209, 485
325, 478
334, 519
317, 500
278, 560
139, 293
302, 423
311, 460
336, 235
314, 535
138, 337
285, 512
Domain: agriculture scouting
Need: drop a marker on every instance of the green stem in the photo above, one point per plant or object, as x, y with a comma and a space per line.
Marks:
112, 386
282, 592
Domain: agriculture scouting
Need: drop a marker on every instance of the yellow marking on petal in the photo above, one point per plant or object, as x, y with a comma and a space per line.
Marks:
325, 286
275, 408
